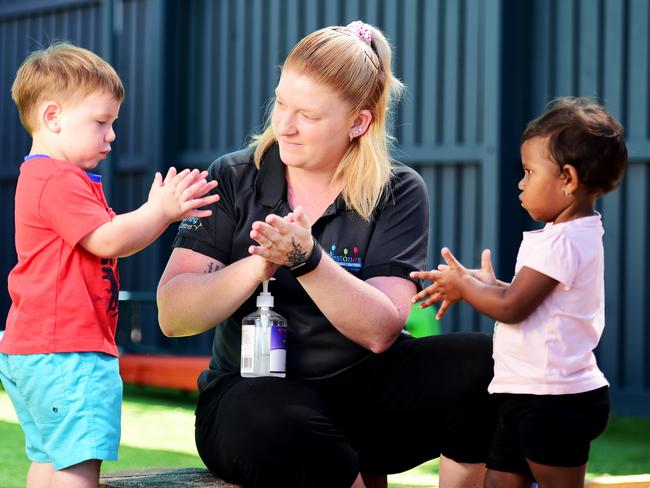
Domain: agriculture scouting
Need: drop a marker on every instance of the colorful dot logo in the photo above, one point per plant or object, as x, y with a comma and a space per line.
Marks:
349, 259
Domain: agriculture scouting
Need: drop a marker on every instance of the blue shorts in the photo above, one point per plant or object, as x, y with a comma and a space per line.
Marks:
68, 405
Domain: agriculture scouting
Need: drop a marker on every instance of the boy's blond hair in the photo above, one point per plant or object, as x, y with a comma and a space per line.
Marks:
63, 73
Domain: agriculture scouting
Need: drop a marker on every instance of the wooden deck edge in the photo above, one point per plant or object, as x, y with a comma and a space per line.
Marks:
630, 481
178, 372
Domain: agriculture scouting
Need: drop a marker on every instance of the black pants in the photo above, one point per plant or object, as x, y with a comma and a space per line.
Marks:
395, 410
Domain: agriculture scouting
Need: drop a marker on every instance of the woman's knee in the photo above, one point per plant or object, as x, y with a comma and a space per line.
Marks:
288, 440
502, 479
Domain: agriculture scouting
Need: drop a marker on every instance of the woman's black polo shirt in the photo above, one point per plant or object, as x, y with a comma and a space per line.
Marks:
394, 243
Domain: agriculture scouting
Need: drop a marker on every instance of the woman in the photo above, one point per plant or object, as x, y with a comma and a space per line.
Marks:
356, 387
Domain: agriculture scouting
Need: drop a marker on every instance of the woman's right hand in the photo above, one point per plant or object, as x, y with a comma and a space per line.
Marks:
285, 241
266, 269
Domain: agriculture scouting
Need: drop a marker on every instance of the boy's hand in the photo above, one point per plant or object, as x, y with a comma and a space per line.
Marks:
180, 195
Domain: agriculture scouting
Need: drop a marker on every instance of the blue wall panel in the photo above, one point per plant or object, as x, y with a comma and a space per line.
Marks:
200, 73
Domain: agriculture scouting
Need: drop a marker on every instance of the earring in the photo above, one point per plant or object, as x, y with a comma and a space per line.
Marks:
570, 195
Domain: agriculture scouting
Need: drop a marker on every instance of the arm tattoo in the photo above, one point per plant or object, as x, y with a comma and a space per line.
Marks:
212, 267
296, 256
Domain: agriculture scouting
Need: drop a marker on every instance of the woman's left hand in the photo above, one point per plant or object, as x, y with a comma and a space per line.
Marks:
286, 241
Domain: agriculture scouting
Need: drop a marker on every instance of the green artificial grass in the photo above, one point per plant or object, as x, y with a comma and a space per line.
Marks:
158, 432
14, 464
624, 448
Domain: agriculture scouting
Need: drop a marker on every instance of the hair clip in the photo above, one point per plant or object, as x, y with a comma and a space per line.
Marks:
362, 30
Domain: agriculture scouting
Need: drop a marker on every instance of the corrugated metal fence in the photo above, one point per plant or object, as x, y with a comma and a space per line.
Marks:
199, 74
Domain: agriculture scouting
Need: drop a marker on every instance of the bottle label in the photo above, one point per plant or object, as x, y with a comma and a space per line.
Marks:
247, 348
278, 356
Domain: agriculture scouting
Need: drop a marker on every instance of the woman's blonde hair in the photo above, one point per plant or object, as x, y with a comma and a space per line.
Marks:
339, 58
65, 73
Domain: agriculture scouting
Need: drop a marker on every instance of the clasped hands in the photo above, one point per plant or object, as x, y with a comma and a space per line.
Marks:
447, 281
282, 241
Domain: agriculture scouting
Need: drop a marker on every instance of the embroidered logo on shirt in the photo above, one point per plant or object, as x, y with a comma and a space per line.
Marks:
351, 262
190, 223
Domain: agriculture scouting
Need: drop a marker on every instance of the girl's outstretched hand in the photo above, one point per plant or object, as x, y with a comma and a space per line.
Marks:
444, 287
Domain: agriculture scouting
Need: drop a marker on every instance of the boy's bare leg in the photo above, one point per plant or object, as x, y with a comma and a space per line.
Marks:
461, 475
82, 475
39, 475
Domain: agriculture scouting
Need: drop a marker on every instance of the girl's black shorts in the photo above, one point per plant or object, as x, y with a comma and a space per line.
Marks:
555, 430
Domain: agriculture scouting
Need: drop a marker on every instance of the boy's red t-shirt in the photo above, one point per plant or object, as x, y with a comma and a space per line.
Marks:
64, 299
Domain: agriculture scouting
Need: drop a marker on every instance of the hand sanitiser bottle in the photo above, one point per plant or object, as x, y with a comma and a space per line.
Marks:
264, 339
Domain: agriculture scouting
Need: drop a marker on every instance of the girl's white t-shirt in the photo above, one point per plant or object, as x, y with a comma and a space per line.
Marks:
551, 352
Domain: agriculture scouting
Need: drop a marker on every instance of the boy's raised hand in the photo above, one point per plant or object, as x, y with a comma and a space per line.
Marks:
180, 195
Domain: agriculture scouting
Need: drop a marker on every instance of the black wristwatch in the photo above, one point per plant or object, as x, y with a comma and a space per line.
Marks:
310, 263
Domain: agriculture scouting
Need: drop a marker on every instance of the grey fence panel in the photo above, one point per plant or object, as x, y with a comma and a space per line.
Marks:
613, 93
141, 42
137, 146
457, 122
199, 75
633, 374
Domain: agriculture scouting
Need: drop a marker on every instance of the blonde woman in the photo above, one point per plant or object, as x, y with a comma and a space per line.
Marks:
317, 203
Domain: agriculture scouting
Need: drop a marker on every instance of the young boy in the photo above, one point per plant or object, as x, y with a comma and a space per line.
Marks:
58, 358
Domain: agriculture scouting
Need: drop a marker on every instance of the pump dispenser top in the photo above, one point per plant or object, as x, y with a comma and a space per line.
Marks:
265, 299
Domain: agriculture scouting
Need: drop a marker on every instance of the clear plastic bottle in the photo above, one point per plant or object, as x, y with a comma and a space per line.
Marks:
264, 340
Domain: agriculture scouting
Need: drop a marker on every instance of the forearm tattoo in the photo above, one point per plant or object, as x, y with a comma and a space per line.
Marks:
296, 256
212, 267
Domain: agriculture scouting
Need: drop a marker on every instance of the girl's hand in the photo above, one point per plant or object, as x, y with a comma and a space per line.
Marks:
284, 241
485, 274
444, 287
